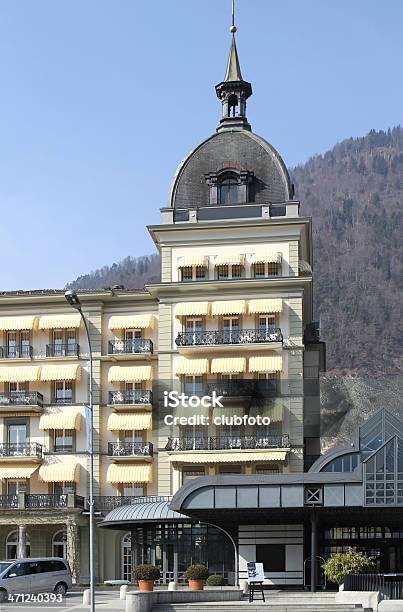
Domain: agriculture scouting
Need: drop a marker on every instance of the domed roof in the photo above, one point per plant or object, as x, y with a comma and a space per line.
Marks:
241, 150
146, 512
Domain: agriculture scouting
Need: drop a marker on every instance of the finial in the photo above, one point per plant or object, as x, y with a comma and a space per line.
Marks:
233, 26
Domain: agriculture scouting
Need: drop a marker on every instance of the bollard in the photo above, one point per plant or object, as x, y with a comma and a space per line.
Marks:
86, 597
243, 586
172, 586
123, 591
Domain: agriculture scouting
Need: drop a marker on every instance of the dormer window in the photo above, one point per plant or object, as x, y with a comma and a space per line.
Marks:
228, 190
193, 273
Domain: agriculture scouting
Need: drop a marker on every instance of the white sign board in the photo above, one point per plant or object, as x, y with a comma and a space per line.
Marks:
255, 572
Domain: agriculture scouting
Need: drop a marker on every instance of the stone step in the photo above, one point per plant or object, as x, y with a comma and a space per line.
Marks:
258, 607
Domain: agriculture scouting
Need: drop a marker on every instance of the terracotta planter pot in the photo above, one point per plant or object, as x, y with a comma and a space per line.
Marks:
146, 586
196, 585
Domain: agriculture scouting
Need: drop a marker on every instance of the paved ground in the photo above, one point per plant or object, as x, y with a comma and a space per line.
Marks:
105, 600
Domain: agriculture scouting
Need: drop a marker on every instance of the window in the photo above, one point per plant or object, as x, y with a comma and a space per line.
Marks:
265, 270
225, 272
59, 545
193, 329
63, 488
63, 392
229, 190
17, 388
272, 556
267, 469
190, 473
18, 344
131, 436
132, 340
230, 469
12, 545
193, 273
230, 330
193, 385
230, 437
126, 556
346, 463
268, 383
63, 440
64, 342
193, 437
14, 487
131, 490
133, 393
17, 436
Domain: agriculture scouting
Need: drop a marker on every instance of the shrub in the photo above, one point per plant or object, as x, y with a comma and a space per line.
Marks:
350, 562
196, 572
146, 572
215, 580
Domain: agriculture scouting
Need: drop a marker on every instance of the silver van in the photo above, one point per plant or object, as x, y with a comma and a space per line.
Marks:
38, 575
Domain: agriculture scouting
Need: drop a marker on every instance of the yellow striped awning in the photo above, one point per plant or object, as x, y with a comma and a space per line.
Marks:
230, 457
268, 363
129, 422
137, 473
187, 309
266, 257
265, 306
60, 321
68, 471
17, 323
192, 260
17, 471
19, 374
272, 408
129, 373
228, 307
191, 367
60, 420
228, 365
229, 259
71, 371
135, 321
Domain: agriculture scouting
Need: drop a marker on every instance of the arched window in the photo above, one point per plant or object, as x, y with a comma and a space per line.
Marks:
12, 545
59, 544
233, 107
229, 190
126, 557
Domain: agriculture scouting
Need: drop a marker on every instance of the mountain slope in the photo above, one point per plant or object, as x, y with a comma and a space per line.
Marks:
354, 194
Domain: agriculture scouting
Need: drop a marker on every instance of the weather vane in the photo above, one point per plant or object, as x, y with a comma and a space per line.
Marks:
233, 26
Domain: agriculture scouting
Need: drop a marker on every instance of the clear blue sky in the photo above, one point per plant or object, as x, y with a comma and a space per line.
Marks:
100, 100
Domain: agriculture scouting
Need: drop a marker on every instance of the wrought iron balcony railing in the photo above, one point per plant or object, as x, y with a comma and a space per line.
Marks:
129, 347
109, 502
21, 398
239, 336
24, 449
242, 388
227, 442
16, 352
138, 397
25, 500
130, 449
63, 350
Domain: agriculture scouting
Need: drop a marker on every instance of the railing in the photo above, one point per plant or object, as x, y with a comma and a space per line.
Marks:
68, 399
16, 352
239, 336
63, 350
242, 388
390, 585
25, 449
21, 398
136, 346
130, 449
227, 442
8, 501
136, 397
109, 502
64, 500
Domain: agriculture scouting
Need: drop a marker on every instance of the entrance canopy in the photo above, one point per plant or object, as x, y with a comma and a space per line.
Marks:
144, 511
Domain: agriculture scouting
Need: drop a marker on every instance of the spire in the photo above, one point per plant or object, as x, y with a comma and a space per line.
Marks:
233, 91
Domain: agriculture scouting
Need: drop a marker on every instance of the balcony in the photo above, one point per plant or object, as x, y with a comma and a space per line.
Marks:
105, 503
21, 401
205, 443
63, 350
27, 450
230, 389
16, 352
222, 339
129, 348
25, 501
136, 397
127, 450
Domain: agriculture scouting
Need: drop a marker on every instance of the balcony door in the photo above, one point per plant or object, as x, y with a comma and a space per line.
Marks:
230, 437
64, 342
17, 391
16, 438
231, 330
193, 331
133, 340
266, 327
194, 437
133, 393
14, 487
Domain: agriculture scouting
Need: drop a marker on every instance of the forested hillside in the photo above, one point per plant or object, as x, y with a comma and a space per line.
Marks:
354, 194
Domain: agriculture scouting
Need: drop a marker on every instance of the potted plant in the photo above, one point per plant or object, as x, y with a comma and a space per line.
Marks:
339, 565
215, 580
146, 576
196, 575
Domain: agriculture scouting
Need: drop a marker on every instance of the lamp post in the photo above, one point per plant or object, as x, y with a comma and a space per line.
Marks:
74, 301
236, 572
